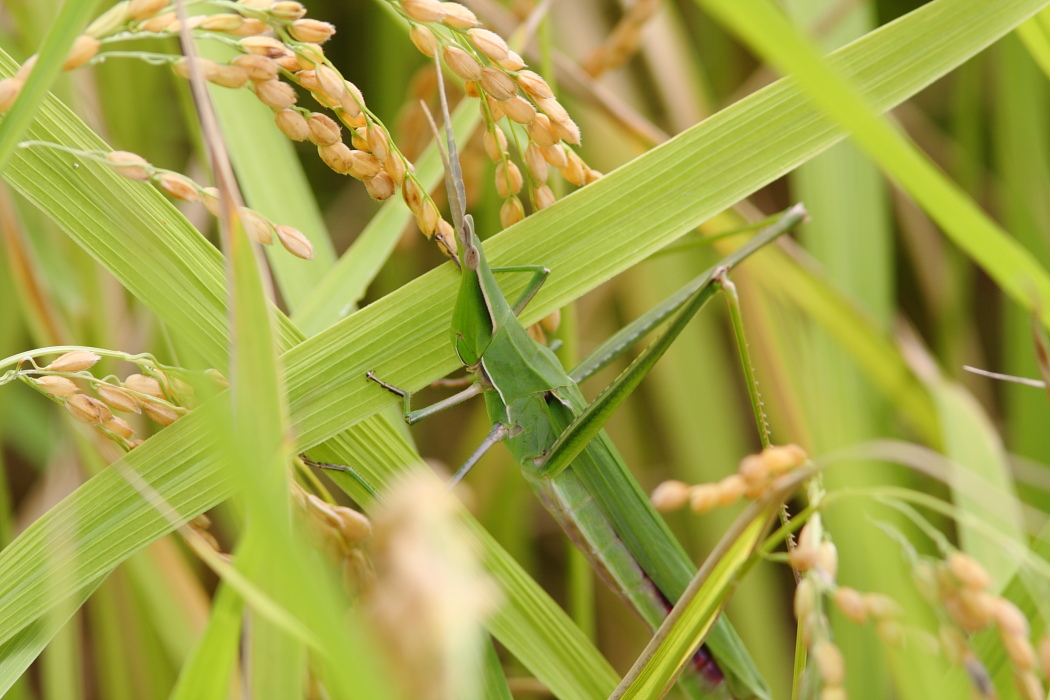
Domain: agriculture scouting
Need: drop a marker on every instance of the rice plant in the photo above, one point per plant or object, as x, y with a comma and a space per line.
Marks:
217, 217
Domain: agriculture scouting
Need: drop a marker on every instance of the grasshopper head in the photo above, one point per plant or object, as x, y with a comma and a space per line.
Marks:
468, 248
472, 324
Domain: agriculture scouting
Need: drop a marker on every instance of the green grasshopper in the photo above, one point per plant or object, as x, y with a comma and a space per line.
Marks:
557, 438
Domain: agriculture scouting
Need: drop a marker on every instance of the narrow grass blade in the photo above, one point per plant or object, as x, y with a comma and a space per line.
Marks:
69, 23
971, 441
495, 683
1011, 266
208, 672
1035, 33
257, 453
22, 648
797, 278
1021, 149
696, 611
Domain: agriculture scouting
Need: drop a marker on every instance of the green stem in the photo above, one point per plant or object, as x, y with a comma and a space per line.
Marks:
733, 300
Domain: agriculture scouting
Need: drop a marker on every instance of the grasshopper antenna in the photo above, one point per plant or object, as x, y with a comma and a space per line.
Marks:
457, 194
449, 246
1037, 383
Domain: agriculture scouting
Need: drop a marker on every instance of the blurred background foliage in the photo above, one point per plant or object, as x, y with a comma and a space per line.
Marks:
985, 125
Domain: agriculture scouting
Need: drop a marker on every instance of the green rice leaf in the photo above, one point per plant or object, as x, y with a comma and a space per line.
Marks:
1013, 268
1035, 33
971, 441
207, 673
69, 23
696, 611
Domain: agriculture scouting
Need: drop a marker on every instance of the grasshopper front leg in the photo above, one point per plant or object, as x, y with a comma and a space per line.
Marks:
539, 276
413, 417
499, 432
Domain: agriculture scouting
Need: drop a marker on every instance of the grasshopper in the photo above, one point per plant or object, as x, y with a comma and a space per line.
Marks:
557, 438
